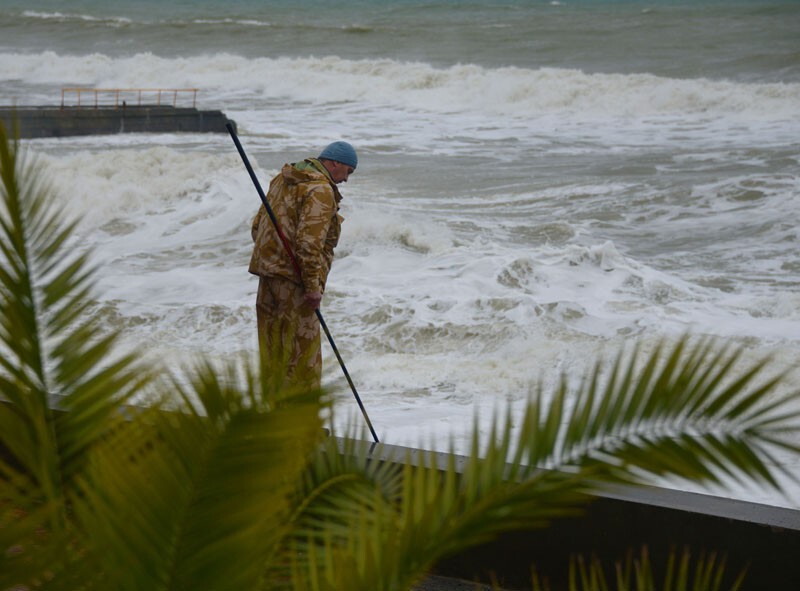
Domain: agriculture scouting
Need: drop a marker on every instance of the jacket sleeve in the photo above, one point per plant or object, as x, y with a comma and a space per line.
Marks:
316, 213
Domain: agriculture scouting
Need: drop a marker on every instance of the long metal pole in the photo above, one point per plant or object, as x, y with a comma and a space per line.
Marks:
296, 265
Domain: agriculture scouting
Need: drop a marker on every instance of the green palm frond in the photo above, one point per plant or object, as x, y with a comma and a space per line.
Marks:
341, 481
52, 348
696, 411
205, 487
59, 381
692, 411
681, 572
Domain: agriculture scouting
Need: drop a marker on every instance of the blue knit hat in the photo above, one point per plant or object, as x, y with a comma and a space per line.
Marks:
340, 152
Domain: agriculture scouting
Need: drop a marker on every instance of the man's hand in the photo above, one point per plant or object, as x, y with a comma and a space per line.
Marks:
313, 299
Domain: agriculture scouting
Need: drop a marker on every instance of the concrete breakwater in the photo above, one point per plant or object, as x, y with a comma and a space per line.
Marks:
40, 122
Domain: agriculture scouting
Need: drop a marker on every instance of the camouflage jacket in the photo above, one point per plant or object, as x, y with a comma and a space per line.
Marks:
305, 202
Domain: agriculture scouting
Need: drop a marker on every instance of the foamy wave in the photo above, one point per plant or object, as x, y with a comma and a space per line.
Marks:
71, 17
503, 91
59, 16
99, 187
232, 21
382, 229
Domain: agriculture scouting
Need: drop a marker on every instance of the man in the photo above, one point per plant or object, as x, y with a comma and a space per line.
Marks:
304, 198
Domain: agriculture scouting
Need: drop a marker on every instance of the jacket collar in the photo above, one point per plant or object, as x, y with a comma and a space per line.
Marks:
315, 164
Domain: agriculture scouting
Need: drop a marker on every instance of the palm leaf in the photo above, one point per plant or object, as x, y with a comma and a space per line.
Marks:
340, 482
46, 352
690, 419
693, 411
201, 499
682, 572
58, 378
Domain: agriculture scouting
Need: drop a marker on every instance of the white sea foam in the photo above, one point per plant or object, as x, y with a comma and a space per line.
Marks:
503, 91
160, 206
59, 16
127, 183
232, 21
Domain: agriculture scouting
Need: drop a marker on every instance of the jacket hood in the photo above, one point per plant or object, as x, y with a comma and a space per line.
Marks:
309, 170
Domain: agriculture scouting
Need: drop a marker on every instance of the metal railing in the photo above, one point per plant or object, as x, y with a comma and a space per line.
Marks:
120, 96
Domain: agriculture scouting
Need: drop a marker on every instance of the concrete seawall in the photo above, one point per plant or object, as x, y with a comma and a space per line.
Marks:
763, 539
40, 122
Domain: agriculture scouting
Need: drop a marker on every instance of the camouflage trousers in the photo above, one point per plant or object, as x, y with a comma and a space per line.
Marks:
288, 329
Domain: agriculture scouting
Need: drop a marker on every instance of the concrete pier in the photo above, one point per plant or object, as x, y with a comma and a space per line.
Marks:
48, 121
